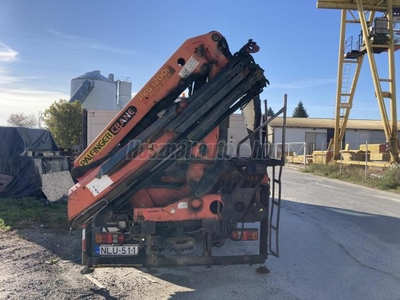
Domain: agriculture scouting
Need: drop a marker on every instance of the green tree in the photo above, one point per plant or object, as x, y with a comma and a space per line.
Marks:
64, 120
270, 112
300, 111
22, 120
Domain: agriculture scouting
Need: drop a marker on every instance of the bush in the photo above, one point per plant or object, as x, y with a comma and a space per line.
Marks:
390, 180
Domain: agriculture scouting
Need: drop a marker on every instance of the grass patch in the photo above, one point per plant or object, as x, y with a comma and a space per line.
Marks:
390, 180
383, 179
27, 212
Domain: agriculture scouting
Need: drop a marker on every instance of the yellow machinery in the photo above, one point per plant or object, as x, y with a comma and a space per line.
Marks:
377, 37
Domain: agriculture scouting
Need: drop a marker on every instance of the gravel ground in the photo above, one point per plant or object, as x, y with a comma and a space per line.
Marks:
40, 263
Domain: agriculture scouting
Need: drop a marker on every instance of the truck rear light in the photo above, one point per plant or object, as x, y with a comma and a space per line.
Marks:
245, 234
109, 238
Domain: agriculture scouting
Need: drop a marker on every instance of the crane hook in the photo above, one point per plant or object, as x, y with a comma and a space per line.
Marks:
251, 47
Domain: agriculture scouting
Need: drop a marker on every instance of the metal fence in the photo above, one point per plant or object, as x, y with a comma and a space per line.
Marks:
294, 153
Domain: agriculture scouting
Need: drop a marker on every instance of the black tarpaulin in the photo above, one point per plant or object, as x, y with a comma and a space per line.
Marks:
19, 140
26, 180
26, 154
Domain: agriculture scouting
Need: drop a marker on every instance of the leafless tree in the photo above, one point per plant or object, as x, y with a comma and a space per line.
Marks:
22, 120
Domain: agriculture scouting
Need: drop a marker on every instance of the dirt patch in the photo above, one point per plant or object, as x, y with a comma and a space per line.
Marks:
42, 263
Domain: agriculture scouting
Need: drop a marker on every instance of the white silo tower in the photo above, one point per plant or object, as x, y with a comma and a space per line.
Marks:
124, 91
95, 91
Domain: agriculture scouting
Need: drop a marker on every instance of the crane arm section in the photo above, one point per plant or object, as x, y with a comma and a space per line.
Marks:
198, 57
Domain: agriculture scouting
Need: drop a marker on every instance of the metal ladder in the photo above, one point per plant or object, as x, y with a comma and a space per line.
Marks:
275, 210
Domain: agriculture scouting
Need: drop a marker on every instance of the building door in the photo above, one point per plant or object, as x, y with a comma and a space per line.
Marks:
315, 141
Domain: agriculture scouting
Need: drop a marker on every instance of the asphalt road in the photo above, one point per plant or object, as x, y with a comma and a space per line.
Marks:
337, 241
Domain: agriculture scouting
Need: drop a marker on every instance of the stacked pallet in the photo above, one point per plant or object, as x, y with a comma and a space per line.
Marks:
354, 155
378, 152
321, 157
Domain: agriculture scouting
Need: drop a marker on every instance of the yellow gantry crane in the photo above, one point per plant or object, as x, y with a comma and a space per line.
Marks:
376, 37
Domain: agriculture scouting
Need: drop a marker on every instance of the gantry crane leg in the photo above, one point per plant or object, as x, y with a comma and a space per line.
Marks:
390, 127
344, 99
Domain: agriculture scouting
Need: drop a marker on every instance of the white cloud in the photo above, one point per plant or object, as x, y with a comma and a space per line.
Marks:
9, 80
7, 54
28, 101
301, 84
81, 42
16, 95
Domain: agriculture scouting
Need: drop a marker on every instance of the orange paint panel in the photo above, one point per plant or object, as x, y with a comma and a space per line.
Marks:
158, 197
162, 197
155, 83
179, 211
142, 199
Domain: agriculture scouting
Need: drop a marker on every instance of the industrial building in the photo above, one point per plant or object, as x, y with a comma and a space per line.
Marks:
97, 92
317, 133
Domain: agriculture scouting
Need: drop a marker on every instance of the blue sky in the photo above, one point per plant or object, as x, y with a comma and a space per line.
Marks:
45, 43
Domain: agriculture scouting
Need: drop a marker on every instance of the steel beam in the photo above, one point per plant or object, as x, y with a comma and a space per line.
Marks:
371, 5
